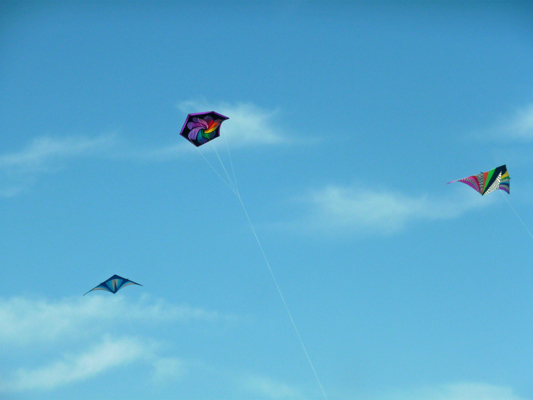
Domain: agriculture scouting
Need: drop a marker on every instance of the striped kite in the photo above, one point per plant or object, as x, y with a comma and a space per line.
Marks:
114, 284
486, 182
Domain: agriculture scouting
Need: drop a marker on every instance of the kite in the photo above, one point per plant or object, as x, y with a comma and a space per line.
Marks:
114, 284
200, 128
486, 182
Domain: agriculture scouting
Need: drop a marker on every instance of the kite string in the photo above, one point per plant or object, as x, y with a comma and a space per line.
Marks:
238, 195
223, 167
231, 163
518, 216
216, 172
282, 298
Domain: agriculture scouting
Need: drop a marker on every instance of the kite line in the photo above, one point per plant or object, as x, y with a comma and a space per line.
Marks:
200, 128
234, 188
518, 216
216, 172
281, 295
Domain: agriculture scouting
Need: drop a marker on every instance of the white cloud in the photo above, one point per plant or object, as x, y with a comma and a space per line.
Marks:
169, 369
339, 209
71, 368
248, 124
164, 153
520, 125
517, 126
41, 151
11, 191
474, 391
77, 324
24, 321
161, 311
19, 170
268, 388
457, 391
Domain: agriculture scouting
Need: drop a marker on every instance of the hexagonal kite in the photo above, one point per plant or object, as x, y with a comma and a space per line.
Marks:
486, 182
114, 284
200, 128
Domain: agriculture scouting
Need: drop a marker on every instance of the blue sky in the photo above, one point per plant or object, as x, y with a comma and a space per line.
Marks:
346, 120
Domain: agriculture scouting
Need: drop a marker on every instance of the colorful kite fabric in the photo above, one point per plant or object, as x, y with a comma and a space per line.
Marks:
200, 128
486, 182
114, 284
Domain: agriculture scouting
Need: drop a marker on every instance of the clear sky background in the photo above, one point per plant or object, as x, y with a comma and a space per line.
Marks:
346, 120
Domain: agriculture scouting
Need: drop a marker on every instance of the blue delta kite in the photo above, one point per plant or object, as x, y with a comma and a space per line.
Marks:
114, 284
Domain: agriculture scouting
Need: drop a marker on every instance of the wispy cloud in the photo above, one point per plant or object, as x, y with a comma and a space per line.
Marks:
268, 388
169, 369
520, 125
71, 368
457, 391
515, 127
249, 125
20, 169
76, 332
338, 209
24, 321
40, 152
11, 191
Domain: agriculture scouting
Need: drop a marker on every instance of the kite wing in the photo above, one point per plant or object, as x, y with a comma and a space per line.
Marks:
200, 128
486, 182
114, 284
